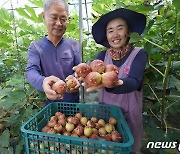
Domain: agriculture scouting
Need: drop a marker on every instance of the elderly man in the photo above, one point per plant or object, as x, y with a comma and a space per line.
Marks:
52, 57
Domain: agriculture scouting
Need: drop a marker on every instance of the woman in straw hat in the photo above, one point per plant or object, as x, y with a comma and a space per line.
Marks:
113, 30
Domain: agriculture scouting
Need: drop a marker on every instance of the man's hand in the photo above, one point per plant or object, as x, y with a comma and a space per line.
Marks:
47, 86
75, 88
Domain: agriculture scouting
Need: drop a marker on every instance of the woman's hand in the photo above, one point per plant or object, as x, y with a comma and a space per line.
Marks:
74, 87
47, 87
93, 88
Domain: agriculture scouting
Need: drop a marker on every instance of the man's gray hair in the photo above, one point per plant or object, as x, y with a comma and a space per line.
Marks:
49, 3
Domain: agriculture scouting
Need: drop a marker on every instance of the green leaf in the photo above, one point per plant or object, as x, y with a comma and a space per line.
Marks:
176, 4
6, 104
148, 47
98, 9
31, 11
159, 6
23, 13
155, 106
176, 64
39, 18
6, 151
5, 15
173, 108
38, 3
5, 38
5, 138
6, 19
120, 4
174, 97
16, 81
141, 8
27, 113
150, 24
4, 45
135, 37
17, 96
157, 134
174, 83
4, 92
19, 148
9, 61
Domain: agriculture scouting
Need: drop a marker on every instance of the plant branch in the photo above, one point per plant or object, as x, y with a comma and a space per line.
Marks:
165, 125
171, 105
165, 79
155, 68
154, 115
32, 98
155, 44
154, 93
36, 105
173, 128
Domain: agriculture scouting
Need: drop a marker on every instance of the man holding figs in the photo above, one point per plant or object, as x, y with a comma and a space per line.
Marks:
51, 59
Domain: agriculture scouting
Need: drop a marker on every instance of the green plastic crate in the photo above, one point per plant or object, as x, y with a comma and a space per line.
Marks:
39, 142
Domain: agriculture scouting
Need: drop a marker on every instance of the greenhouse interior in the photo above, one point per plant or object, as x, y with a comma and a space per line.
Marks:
99, 107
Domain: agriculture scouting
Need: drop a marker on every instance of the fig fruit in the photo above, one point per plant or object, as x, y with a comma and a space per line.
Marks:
94, 137
93, 78
71, 83
58, 127
87, 131
112, 120
69, 127
116, 137
108, 137
59, 87
102, 132
45, 129
82, 70
51, 131
97, 66
79, 130
108, 127
111, 68
83, 120
109, 79
101, 122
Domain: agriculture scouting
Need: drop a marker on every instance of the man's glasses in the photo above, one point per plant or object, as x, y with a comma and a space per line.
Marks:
62, 20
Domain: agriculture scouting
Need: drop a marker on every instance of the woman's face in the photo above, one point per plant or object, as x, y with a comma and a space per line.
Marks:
117, 33
56, 20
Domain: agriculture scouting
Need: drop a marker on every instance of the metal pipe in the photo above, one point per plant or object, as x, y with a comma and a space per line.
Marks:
81, 45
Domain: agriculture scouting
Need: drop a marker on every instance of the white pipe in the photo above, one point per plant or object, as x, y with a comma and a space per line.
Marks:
81, 44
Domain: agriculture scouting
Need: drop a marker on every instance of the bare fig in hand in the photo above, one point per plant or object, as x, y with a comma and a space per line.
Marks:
59, 87
82, 70
109, 79
71, 83
97, 66
93, 79
111, 67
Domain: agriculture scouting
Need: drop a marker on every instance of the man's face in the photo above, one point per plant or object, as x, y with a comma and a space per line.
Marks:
56, 20
117, 33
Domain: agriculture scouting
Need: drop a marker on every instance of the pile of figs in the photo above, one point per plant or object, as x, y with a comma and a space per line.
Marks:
81, 126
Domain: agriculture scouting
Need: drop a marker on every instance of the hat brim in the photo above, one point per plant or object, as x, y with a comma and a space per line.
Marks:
136, 22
